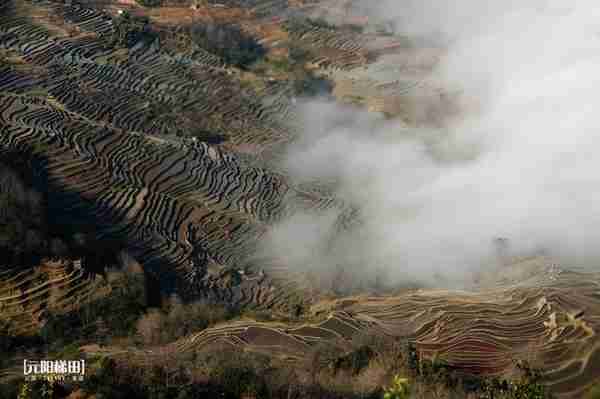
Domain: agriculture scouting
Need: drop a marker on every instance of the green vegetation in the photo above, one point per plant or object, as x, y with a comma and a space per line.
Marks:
355, 361
355, 28
227, 41
437, 373
123, 313
293, 63
321, 23
304, 82
239, 375
368, 367
223, 372
149, 3
355, 99
9, 233
25, 392
130, 30
400, 389
593, 392
232, 376
300, 24
410, 375
38, 148
37, 92
117, 314
207, 136
282, 65
68, 352
175, 320
31, 390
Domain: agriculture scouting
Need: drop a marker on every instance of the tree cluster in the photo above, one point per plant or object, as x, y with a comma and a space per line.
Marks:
176, 319
227, 41
114, 315
130, 30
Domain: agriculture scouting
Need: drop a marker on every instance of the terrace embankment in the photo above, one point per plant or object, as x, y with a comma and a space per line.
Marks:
172, 152
550, 320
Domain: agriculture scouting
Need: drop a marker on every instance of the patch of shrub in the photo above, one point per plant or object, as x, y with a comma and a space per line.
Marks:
355, 28
149, 3
40, 389
297, 54
176, 319
229, 42
107, 382
301, 23
321, 23
399, 389
356, 360
282, 64
593, 392
436, 373
207, 136
232, 375
118, 312
130, 30
312, 86
305, 82
239, 379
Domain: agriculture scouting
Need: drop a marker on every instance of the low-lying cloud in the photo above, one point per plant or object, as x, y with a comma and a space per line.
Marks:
521, 161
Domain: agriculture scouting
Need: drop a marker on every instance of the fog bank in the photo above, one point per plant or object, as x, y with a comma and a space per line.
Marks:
520, 162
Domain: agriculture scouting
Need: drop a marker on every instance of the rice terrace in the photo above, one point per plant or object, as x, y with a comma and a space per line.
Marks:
300, 198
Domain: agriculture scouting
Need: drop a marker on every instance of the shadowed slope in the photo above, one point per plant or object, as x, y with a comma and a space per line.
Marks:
187, 210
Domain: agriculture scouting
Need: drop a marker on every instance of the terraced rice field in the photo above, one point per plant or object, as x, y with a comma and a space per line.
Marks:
550, 319
110, 125
26, 295
181, 203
